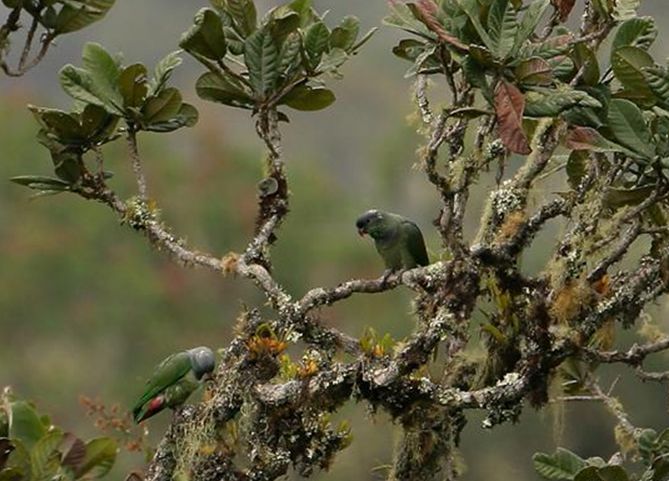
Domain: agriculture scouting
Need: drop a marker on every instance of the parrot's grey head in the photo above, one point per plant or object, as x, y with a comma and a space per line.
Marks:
202, 360
373, 222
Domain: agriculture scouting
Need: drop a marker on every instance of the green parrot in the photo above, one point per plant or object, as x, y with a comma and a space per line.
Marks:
175, 378
398, 240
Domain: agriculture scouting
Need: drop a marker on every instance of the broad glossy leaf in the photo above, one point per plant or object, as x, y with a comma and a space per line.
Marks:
332, 60
308, 98
425, 11
316, 40
289, 60
215, 88
79, 85
586, 62
67, 165
409, 49
162, 107
502, 27
509, 107
163, 72
262, 59
244, 14
205, 37
345, 34
658, 81
543, 102
563, 465
187, 116
25, 424
71, 18
473, 11
284, 22
99, 458
44, 454
629, 128
58, 123
628, 65
105, 71
636, 32
530, 21
132, 85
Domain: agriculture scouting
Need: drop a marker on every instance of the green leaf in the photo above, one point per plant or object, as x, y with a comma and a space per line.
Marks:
104, 70
133, 86
67, 165
534, 71
473, 11
72, 18
502, 27
96, 83
162, 107
628, 65
99, 458
225, 90
345, 34
529, 22
308, 99
244, 14
316, 40
205, 37
332, 60
163, 72
44, 454
636, 32
409, 49
563, 465
586, 60
25, 424
658, 81
283, 23
38, 182
629, 128
262, 59
542, 102
187, 116
289, 60
303, 9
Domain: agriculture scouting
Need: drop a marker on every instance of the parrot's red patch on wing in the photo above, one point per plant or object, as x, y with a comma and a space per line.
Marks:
154, 406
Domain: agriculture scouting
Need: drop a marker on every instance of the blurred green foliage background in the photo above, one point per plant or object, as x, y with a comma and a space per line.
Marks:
86, 307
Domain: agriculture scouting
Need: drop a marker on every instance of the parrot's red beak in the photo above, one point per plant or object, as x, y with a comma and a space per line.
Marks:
362, 232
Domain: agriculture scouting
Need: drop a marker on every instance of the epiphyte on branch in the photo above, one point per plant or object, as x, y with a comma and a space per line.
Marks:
398, 240
174, 380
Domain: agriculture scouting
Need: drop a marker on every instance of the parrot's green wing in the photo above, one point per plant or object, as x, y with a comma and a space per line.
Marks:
415, 243
170, 371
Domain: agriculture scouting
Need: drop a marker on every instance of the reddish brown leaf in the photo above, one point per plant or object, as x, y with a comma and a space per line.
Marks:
509, 106
585, 138
73, 449
563, 8
424, 11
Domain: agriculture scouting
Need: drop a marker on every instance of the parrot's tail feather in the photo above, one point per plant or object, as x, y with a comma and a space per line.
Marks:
152, 407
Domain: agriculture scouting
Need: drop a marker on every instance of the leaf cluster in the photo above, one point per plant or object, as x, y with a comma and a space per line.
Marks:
32, 448
110, 99
280, 59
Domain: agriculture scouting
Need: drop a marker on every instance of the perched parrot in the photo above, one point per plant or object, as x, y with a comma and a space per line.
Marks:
174, 380
398, 240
